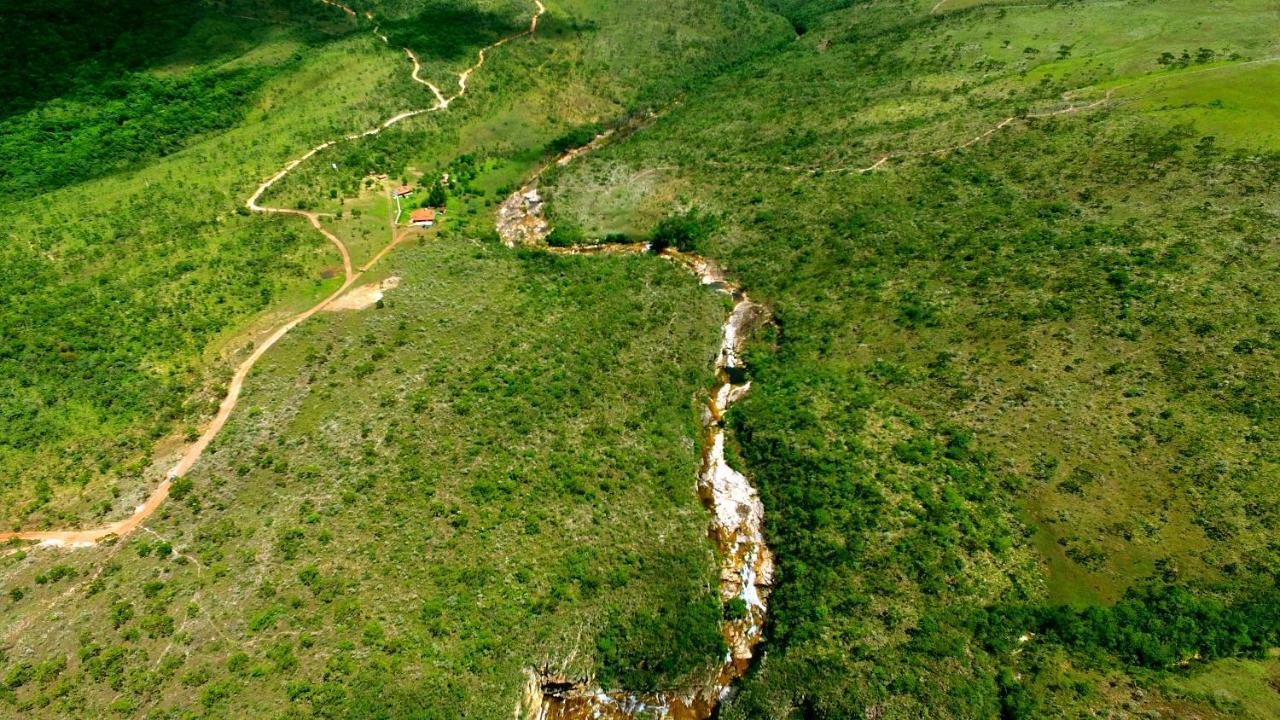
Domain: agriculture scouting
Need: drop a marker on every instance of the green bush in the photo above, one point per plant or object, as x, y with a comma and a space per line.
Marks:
575, 137
565, 235
685, 231
655, 648
1160, 627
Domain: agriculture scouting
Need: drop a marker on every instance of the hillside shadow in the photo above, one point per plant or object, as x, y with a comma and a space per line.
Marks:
450, 30
57, 48
49, 46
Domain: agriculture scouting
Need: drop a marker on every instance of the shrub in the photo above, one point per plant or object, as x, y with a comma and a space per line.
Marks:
685, 231
565, 235
654, 648
181, 487
55, 573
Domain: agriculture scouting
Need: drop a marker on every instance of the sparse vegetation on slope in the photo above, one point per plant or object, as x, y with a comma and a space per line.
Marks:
566, 468
413, 504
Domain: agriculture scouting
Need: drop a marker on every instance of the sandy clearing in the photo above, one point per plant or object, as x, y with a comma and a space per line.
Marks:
365, 296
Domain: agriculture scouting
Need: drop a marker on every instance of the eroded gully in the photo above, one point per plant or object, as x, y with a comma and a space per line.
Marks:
745, 562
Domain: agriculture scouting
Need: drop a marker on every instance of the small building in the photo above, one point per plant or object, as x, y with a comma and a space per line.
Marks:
423, 217
403, 191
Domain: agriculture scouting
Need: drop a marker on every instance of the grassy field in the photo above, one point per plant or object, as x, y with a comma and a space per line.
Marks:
1235, 104
1244, 688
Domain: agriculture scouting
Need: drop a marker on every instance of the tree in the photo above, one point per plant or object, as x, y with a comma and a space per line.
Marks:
686, 231
437, 196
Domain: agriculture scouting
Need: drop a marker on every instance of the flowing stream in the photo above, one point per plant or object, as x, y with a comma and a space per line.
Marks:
746, 564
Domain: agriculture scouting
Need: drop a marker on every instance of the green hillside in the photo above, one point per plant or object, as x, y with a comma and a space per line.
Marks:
1013, 382
133, 294
1014, 422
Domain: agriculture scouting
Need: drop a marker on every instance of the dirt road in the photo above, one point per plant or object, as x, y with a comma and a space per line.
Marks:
89, 537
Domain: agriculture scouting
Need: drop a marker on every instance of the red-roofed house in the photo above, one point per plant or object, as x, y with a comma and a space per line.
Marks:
403, 191
423, 217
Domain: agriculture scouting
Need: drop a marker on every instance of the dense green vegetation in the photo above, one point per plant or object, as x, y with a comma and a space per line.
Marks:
656, 648
1010, 385
69, 361
1014, 425
470, 490
1159, 627
117, 124
92, 90
452, 29
59, 46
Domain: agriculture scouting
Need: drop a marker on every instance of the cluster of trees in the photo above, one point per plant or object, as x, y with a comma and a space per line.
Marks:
1160, 626
686, 231
1203, 55
656, 648
450, 29
436, 196
575, 137
117, 124
58, 46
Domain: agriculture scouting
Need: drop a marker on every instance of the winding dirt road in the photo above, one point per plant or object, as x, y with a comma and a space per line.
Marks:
91, 536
